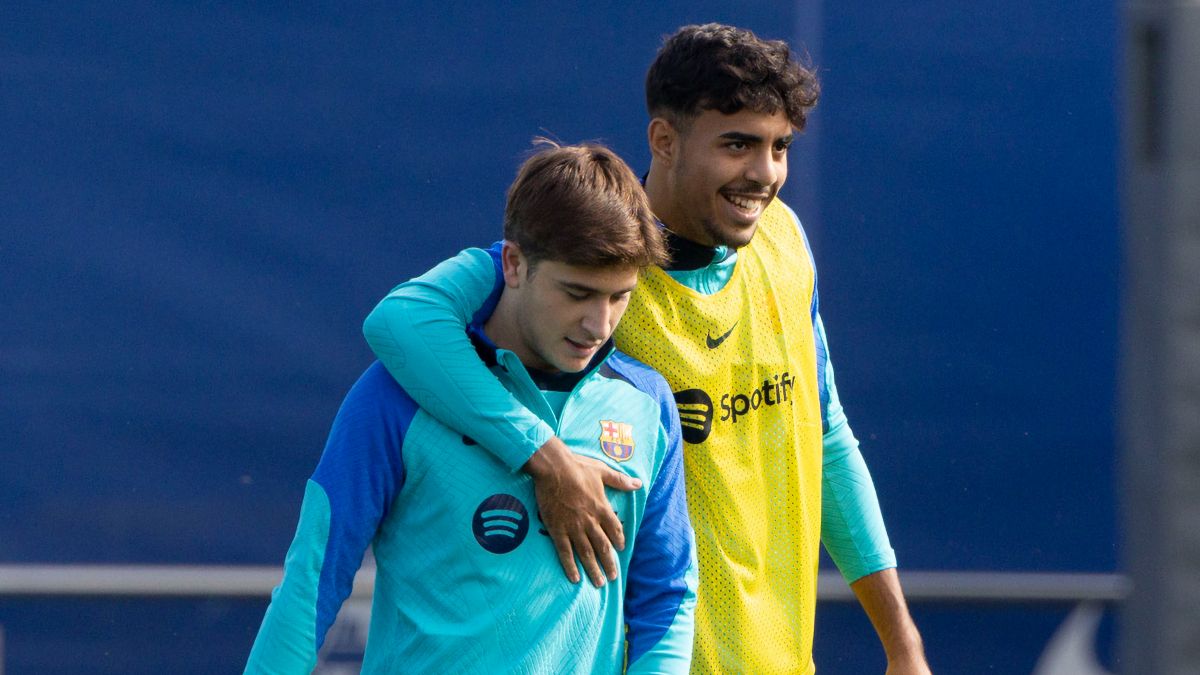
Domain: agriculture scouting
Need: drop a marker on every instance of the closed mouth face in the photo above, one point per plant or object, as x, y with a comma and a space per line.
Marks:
569, 313
584, 348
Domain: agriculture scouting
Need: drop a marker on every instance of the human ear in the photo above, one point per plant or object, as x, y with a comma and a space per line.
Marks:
663, 138
514, 264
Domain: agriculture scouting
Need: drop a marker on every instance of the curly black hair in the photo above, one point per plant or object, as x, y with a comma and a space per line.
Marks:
719, 67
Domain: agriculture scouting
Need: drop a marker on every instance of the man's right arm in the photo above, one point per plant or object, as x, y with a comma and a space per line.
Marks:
418, 332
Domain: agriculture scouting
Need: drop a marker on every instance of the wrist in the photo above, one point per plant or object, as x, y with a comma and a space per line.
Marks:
547, 458
905, 647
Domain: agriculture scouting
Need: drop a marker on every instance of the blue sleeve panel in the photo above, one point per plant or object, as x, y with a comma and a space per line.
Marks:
660, 596
287, 639
357, 479
419, 333
823, 386
852, 528
361, 471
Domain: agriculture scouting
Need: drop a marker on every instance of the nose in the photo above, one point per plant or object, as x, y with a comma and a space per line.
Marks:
596, 321
763, 168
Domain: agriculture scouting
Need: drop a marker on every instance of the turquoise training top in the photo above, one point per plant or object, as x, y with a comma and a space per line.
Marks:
416, 331
467, 580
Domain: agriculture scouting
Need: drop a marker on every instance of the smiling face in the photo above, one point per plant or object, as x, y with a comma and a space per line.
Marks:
719, 172
555, 316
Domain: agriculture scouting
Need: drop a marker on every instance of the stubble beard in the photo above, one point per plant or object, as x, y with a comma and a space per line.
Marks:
722, 237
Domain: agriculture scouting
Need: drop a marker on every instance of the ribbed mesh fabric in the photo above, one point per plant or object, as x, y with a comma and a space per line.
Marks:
742, 364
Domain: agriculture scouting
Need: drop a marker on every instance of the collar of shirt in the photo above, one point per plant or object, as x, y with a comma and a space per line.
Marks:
687, 255
544, 380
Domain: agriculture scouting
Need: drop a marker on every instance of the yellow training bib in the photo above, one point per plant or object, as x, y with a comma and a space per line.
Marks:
742, 364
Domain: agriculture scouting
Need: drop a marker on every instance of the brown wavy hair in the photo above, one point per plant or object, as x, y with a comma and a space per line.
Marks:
581, 205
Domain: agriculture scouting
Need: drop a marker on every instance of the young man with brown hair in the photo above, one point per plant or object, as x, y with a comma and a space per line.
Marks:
466, 579
772, 466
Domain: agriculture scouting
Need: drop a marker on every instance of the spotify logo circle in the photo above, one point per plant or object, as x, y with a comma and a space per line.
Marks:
500, 523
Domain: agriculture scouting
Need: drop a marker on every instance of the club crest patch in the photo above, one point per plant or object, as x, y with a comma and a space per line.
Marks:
616, 439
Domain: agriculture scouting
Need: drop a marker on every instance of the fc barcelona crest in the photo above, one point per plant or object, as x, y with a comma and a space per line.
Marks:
616, 439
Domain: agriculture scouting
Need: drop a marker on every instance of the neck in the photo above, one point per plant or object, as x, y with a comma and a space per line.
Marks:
661, 196
662, 202
502, 329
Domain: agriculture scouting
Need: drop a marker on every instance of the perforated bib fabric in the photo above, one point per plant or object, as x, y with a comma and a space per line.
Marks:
742, 366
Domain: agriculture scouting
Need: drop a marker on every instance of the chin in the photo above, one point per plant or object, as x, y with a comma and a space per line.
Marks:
736, 237
733, 235
568, 365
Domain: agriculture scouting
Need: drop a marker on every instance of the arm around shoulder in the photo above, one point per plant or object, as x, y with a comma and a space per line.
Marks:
419, 333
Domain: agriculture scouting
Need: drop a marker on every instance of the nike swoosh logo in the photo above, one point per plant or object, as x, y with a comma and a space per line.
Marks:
713, 343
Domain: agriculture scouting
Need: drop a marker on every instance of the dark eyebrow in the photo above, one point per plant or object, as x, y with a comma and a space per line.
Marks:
584, 288
571, 286
754, 139
741, 136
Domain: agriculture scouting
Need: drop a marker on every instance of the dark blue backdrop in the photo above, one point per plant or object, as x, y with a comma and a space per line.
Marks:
199, 204
968, 244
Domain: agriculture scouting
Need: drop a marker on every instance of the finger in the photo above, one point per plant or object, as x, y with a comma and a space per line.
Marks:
619, 481
613, 530
605, 554
566, 555
583, 549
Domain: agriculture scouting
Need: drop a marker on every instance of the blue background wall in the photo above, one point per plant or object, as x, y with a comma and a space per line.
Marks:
969, 246
198, 205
